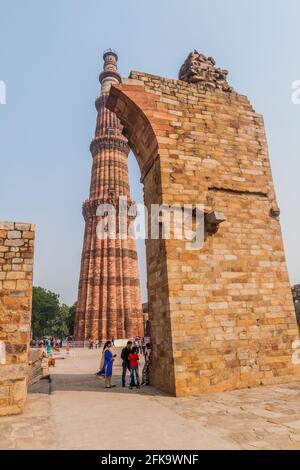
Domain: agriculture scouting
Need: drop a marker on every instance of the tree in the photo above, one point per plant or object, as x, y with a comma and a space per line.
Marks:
45, 307
59, 326
49, 317
71, 319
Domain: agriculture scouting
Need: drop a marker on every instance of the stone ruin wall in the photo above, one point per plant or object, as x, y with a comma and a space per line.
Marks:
16, 265
222, 317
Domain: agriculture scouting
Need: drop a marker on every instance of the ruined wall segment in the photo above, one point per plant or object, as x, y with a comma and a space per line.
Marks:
16, 265
222, 317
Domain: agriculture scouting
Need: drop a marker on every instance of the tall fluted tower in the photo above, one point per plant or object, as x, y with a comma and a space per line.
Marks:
109, 302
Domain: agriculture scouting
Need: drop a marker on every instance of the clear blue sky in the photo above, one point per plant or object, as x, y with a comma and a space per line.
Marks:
50, 58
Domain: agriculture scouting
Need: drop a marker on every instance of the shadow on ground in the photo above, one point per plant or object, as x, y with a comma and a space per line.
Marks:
41, 387
92, 383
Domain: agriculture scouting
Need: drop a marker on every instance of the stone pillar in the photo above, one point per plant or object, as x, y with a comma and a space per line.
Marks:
16, 265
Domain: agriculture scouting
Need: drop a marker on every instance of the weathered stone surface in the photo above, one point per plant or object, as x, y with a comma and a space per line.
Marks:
38, 366
14, 234
200, 69
6, 226
222, 317
24, 227
15, 315
15, 243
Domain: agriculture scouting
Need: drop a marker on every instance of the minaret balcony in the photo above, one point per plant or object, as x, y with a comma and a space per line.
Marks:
108, 142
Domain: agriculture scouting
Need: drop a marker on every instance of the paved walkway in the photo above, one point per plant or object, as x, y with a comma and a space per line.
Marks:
88, 416
81, 414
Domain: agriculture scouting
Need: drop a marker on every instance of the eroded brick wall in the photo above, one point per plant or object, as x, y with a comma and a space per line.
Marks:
222, 317
16, 264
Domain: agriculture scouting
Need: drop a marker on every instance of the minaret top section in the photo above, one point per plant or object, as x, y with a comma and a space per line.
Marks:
110, 75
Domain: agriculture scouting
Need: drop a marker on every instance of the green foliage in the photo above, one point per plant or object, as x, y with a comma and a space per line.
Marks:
71, 318
49, 317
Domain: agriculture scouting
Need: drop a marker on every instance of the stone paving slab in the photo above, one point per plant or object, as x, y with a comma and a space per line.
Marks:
262, 418
31, 430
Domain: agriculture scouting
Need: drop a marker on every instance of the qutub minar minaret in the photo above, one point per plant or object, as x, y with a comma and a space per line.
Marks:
109, 303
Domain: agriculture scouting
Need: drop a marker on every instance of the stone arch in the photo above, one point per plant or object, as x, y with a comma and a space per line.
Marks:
216, 315
137, 112
138, 128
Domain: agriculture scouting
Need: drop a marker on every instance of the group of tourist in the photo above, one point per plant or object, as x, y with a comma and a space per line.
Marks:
140, 344
48, 346
54, 342
130, 362
130, 356
95, 344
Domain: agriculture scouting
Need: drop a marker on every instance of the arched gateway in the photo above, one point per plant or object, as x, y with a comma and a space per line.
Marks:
222, 316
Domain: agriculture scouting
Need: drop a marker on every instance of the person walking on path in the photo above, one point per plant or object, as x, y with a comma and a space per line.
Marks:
134, 368
125, 361
143, 345
51, 360
49, 348
145, 374
106, 364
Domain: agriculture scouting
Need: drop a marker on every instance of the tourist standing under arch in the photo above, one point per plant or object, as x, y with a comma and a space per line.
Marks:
106, 364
